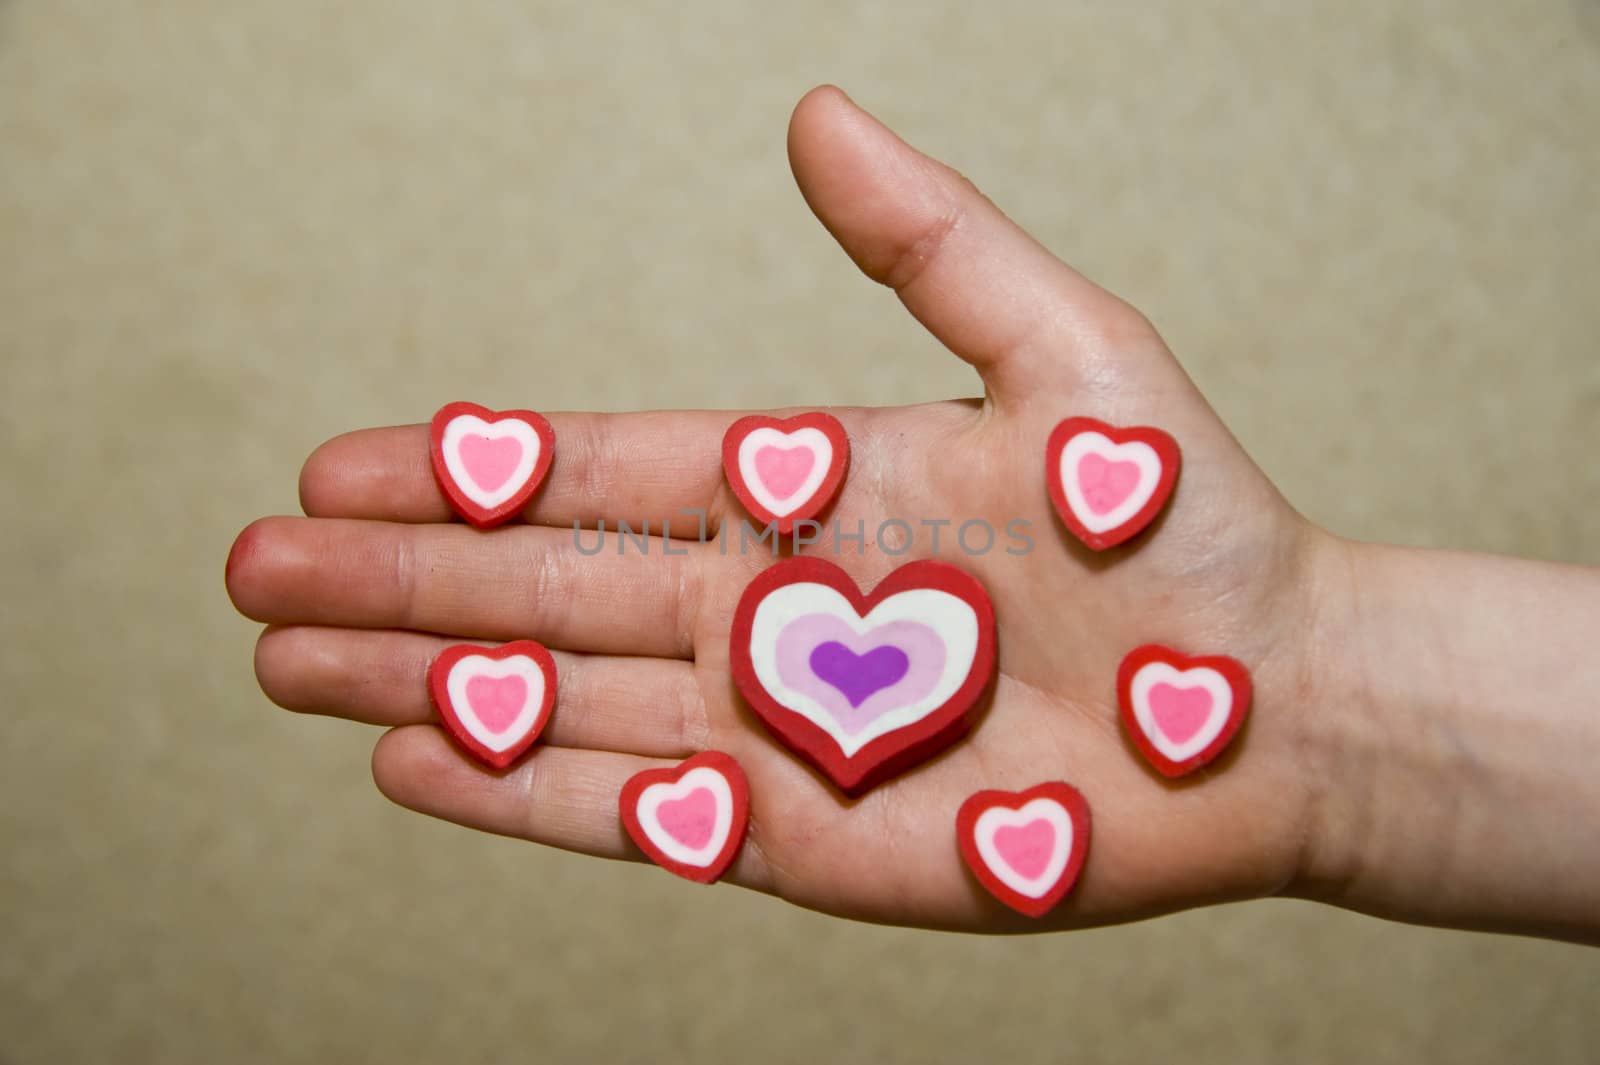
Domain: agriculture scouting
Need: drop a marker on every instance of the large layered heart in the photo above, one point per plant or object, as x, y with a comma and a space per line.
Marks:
489, 463
1025, 847
494, 700
1108, 483
689, 818
1181, 711
863, 686
785, 470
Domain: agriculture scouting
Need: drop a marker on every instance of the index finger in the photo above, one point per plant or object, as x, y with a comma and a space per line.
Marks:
647, 466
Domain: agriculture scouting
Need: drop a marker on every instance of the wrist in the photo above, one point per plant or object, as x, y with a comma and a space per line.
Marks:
1346, 752
1445, 738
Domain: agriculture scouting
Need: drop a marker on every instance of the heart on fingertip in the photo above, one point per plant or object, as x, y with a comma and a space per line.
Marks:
489, 463
1109, 483
1181, 711
785, 470
1025, 847
494, 701
689, 818
863, 686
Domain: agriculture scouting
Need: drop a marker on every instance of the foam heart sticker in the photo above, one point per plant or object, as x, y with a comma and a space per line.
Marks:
785, 470
1025, 847
689, 818
1181, 711
489, 463
494, 700
863, 686
1109, 483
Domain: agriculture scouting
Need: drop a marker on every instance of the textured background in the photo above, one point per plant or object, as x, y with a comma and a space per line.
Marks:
229, 230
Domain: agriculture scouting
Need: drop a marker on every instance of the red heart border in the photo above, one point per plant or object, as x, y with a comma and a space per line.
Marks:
1077, 808
827, 424
460, 502
1166, 449
893, 753
439, 691
1232, 671
738, 786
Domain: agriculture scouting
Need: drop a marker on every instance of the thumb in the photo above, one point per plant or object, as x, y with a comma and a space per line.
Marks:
977, 281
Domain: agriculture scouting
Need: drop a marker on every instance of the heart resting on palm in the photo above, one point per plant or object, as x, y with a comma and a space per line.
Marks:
362, 593
863, 686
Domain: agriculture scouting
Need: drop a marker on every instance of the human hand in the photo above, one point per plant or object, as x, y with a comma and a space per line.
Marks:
375, 581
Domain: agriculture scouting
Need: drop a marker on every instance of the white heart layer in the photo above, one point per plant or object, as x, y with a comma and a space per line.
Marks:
995, 818
955, 622
814, 439
463, 425
1154, 673
651, 798
462, 673
1090, 442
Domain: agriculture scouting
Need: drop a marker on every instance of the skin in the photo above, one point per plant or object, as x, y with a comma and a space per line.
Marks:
1393, 762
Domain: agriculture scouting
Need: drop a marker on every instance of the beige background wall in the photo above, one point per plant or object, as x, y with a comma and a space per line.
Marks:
229, 230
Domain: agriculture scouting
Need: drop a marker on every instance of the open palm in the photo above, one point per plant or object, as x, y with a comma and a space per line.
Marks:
361, 594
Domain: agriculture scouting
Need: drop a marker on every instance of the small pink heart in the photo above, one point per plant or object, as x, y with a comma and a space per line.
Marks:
1179, 712
784, 469
689, 820
1105, 484
497, 700
1026, 848
490, 460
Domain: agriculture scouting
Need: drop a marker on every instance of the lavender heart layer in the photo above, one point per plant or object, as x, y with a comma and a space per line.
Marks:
859, 677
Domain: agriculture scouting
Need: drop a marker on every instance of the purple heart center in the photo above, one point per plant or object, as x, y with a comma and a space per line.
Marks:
858, 676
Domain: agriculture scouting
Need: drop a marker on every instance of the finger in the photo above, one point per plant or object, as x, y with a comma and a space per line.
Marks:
648, 706
647, 468
977, 281
556, 796
518, 582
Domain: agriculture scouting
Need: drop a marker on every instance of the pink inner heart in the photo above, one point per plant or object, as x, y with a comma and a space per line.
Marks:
689, 820
1179, 712
1106, 485
1027, 848
784, 469
490, 460
497, 700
